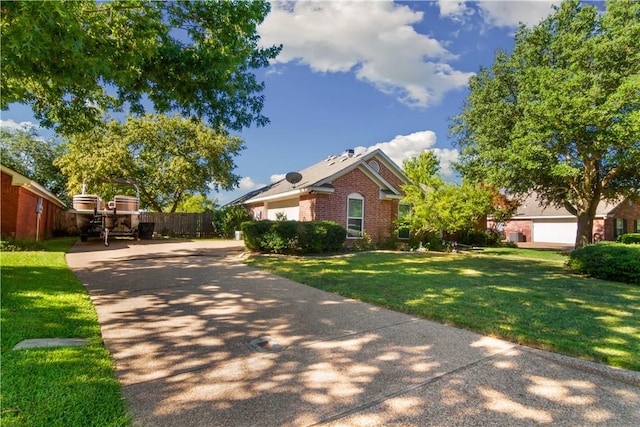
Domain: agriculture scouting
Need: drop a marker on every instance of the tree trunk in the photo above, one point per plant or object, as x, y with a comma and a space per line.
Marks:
584, 234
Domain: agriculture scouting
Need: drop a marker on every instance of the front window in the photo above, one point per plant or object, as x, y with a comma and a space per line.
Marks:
404, 232
620, 227
355, 216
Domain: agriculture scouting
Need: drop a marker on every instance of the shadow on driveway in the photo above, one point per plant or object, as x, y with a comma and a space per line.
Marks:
181, 320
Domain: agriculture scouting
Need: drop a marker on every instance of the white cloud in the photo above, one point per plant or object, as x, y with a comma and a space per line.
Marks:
499, 13
454, 9
12, 124
247, 184
277, 177
404, 147
512, 13
374, 40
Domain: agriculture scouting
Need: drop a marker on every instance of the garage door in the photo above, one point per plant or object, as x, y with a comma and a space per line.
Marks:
555, 231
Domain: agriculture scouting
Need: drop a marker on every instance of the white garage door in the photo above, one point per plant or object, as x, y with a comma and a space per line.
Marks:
555, 230
289, 208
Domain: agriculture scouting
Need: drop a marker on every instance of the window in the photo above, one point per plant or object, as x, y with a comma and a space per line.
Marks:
355, 216
375, 165
637, 225
404, 210
620, 227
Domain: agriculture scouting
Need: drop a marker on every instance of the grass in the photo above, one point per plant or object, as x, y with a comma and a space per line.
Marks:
64, 386
524, 296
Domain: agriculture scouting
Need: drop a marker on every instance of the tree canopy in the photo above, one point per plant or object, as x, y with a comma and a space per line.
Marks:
165, 158
73, 61
440, 206
560, 115
32, 156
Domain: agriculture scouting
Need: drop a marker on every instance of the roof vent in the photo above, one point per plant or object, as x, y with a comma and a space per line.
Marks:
348, 152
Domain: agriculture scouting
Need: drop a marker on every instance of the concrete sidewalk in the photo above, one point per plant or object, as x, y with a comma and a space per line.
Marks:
200, 339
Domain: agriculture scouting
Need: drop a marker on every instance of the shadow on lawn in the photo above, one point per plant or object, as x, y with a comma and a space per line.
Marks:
531, 302
42, 302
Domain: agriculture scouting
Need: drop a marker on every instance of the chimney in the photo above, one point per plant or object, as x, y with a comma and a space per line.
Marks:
348, 152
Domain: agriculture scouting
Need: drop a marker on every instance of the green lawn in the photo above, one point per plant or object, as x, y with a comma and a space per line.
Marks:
524, 296
73, 386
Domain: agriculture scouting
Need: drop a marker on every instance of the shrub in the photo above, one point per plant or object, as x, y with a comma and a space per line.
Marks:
227, 220
474, 237
293, 236
19, 245
629, 238
609, 261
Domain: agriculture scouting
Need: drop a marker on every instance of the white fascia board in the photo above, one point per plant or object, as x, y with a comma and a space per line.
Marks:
603, 216
20, 180
289, 194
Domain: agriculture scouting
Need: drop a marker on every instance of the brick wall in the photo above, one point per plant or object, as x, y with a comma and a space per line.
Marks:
8, 206
379, 215
19, 217
628, 211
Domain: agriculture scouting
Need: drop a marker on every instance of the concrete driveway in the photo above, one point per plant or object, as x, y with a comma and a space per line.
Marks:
200, 339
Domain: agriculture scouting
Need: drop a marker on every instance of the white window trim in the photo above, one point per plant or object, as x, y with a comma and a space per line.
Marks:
355, 196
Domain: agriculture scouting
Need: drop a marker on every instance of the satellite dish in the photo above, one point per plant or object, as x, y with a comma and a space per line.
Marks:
293, 178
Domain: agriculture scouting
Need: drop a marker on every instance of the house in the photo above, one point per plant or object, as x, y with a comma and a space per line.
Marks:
361, 191
534, 223
28, 209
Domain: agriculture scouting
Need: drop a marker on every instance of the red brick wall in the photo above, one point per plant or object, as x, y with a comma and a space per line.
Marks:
625, 210
517, 226
378, 214
19, 217
8, 206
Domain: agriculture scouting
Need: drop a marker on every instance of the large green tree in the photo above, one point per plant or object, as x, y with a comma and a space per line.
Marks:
437, 205
72, 61
560, 115
24, 151
166, 158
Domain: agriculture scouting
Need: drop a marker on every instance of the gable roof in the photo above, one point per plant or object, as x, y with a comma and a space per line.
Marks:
531, 208
319, 177
20, 180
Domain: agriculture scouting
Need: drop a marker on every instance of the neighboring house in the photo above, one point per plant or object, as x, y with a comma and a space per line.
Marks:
28, 209
361, 192
533, 223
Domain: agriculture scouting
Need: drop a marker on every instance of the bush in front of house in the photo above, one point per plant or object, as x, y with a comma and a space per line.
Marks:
609, 261
629, 238
473, 237
290, 237
227, 220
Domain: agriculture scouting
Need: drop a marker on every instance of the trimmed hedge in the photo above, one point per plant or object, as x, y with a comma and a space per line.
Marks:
629, 238
293, 237
609, 261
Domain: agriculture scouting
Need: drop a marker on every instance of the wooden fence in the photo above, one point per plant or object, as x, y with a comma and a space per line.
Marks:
188, 225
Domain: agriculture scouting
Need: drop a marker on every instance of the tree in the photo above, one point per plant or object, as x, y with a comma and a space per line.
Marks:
196, 203
560, 116
28, 154
440, 206
166, 158
195, 57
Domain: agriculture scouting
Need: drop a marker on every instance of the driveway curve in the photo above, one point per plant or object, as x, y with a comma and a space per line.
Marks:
201, 339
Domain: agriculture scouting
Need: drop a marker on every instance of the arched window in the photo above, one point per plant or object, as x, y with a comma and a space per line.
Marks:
355, 216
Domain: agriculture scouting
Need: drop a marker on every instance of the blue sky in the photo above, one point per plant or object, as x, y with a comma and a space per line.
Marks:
365, 74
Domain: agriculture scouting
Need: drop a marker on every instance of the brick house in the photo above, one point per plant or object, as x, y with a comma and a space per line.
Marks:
361, 191
21, 200
533, 223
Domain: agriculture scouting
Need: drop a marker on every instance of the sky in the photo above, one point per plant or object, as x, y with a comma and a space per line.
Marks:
364, 75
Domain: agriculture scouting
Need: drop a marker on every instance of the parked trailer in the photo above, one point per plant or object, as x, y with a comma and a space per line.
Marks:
119, 217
